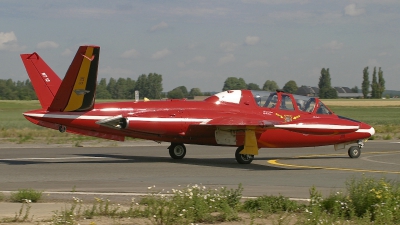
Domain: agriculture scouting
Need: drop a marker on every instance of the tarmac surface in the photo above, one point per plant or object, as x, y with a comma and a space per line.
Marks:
129, 169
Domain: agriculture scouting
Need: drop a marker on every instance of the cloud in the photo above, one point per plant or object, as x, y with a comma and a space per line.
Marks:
132, 53
372, 63
47, 44
161, 54
228, 46
160, 26
273, 2
115, 72
197, 59
66, 52
290, 15
226, 59
351, 10
257, 63
333, 45
252, 40
9, 42
199, 12
384, 54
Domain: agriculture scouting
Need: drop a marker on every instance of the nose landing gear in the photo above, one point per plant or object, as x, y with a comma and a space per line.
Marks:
355, 151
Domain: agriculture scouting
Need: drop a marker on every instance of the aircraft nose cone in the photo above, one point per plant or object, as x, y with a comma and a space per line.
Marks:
371, 131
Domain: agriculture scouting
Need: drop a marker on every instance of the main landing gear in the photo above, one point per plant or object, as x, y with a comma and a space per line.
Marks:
355, 151
243, 158
177, 150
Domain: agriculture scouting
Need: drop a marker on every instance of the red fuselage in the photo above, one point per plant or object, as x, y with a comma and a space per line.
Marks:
197, 122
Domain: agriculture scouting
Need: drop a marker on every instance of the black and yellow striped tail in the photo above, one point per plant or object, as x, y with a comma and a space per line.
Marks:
77, 90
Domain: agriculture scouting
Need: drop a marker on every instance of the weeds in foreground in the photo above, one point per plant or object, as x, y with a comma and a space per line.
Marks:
23, 194
22, 215
195, 204
366, 201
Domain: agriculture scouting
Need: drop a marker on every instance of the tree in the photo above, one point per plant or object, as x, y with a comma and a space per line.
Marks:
290, 87
324, 84
354, 89
195, 92
184, 91
121, 89
253, 86
149, 86
374, 85
154, 84
331, 93
270, 85
141, 86
365, 83
176, 93
101, 90
111, 87
381, 83
233, 83
130, 87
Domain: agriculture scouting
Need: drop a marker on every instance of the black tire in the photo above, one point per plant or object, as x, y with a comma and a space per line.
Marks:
243, 158
62, 128
177, 150
354, 152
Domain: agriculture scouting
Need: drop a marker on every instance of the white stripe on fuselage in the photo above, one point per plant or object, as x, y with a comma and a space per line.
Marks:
143, 119
194, 120
317, 126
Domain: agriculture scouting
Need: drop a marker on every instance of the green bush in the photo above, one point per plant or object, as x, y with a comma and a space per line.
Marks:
377, 201
270, 204
194, 204
26, 194
2, 197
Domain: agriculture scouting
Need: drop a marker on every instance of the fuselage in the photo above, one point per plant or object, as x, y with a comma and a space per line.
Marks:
192, 122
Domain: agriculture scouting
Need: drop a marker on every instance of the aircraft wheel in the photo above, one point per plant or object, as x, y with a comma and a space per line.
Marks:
177, 151
354, 152
243, 158
62, 128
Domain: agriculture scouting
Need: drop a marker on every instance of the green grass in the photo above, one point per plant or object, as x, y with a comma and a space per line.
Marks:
15, 128
370, 115
26, 195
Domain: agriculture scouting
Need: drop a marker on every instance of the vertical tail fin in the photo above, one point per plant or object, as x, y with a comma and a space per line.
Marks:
44, 80
77, 90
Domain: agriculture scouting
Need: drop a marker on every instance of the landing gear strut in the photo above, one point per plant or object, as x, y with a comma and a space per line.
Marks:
355, 151
243, 158
177, 150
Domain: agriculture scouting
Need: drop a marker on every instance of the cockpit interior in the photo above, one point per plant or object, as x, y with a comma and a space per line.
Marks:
287, 101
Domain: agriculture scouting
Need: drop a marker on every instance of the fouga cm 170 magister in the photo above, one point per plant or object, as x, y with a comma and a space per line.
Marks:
245, 119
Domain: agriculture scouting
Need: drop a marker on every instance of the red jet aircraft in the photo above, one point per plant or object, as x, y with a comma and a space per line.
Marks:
247, 119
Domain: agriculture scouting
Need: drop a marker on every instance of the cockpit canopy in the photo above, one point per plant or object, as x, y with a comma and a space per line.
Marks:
275, 100
287, 101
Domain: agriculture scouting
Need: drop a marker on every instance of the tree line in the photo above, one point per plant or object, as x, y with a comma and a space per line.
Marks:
326, 90
150, 86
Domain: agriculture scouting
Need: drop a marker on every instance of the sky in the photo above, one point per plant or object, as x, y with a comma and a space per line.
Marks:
199, 44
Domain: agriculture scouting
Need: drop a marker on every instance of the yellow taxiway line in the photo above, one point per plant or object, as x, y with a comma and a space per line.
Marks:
276, 163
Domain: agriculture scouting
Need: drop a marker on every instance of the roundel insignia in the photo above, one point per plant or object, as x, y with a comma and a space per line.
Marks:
288, 118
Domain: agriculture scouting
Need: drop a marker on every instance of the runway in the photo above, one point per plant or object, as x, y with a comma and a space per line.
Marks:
132, 169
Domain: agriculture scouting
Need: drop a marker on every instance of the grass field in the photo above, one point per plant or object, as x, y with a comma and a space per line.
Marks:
383, 114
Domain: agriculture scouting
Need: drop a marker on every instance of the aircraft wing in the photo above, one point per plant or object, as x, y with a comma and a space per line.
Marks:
316, 126
240, 122
320, 126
